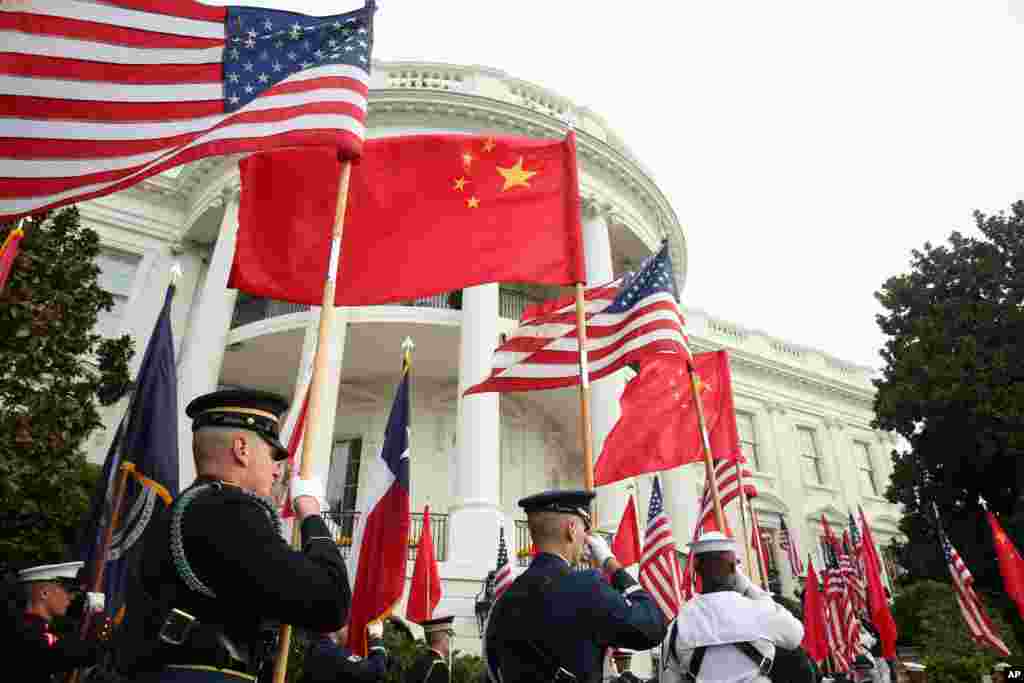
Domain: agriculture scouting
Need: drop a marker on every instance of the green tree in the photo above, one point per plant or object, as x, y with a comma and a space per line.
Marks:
54, 369
953, 387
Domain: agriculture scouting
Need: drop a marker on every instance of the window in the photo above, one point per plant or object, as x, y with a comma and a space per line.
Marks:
748, 439
117, 275
868, 479
810, 456
343, 487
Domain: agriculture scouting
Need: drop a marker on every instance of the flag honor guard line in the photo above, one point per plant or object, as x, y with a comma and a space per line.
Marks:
317, 386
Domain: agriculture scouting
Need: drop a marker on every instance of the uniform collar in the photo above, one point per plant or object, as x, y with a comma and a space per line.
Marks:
541, 557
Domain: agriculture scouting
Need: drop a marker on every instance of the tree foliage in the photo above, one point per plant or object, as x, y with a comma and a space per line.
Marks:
953, 387
53, 371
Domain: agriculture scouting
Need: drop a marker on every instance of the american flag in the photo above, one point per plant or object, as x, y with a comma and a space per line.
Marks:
626, 320
852, 568
982, 630
835, 601
728, 489
97, 96
788, 543
659, 566
503, 577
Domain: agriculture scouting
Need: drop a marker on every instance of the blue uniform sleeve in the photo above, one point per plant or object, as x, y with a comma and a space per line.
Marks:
329, 663
624, 614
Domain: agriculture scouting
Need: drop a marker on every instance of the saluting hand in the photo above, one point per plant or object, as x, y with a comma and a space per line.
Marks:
600, 553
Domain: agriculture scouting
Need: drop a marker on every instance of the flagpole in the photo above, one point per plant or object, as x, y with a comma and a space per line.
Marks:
709, 468
316, 385
744, 505
586, 432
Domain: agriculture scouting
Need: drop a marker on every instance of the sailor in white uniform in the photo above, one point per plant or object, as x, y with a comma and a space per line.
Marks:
730, 611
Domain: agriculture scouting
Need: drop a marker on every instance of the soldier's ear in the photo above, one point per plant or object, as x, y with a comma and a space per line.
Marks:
240, 450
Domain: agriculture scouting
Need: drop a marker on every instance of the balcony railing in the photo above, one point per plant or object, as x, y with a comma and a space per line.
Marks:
250, 309
343, 526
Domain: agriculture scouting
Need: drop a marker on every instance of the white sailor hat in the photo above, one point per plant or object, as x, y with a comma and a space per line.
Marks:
58, 573
712, 542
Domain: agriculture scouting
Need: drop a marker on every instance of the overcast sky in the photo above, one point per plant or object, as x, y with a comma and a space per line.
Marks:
806, 146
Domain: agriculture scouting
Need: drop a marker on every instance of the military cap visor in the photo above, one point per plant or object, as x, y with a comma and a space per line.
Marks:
255, 411
439, 624
572, 502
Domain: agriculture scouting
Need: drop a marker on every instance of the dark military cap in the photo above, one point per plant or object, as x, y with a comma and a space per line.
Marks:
256, 411
573, 502
439, 624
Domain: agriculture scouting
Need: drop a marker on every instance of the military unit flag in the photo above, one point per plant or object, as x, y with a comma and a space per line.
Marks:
492, 209
96, 97
981, 628
626, 321
659, 567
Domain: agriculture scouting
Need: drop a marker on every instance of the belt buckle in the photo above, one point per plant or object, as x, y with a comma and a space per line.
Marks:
176, 627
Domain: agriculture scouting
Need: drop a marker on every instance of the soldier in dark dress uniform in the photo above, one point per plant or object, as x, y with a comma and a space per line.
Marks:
554, 624
328, 660
434, 666
41, 653
216, 576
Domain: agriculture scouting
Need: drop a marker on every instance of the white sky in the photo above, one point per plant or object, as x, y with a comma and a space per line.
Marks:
806, 146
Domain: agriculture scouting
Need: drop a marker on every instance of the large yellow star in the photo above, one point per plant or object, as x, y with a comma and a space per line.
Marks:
473, 203
460, 184
516, 175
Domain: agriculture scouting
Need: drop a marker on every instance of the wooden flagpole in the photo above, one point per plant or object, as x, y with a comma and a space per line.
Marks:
586, 431
744, 508
316, 385
709, 467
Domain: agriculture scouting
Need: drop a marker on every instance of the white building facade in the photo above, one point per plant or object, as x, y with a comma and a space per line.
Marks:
804, 416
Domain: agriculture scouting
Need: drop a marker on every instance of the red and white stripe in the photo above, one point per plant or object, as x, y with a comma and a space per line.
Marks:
544, 352
95, 97
728, 489
660, 574
503, 579
835, 596
982, 630
788, 543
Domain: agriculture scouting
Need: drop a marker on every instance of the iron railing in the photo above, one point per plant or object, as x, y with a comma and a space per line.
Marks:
524, 543
250, 309
343, 526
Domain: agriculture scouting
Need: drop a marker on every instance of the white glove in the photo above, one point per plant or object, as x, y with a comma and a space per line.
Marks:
95, 602
743, 584
314, 488
599, 549
375, 630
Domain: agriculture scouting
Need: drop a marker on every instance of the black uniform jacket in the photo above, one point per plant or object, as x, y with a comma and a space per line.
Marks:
40, 654
327, 662
233, 549
430, 667
552, 617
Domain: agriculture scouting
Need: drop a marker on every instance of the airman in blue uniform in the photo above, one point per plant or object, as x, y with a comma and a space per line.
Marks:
556, 624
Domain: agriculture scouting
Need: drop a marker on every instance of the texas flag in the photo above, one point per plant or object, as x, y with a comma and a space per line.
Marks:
381, 544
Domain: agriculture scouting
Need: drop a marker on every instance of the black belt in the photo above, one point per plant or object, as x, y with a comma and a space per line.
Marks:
188, 643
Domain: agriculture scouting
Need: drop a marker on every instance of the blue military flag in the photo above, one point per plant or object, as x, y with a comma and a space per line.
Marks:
146, 444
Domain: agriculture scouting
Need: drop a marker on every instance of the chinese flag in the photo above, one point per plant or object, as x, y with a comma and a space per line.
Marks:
881, 615
626, 544
659, 430
815, 641
426, 214
1010, 564
425, 589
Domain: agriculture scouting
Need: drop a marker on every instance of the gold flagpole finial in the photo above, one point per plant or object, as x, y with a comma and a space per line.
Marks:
407, 348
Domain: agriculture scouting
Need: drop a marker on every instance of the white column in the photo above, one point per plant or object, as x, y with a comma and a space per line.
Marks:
475, 517
202, 351
605, 392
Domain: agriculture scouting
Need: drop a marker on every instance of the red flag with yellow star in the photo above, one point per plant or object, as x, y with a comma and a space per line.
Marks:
1011, 566
426, 214
659, 428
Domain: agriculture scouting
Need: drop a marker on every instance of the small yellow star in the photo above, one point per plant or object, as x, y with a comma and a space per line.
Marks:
516, 175
473, 202
467, 159
460, 184
489, 144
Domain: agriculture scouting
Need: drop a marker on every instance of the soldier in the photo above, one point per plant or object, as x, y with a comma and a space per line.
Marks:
330, 661
48, 592
216, 574
434, 665
556, 624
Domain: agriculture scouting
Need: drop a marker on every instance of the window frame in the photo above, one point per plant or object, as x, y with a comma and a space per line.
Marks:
817, 457
867, 466
755, 457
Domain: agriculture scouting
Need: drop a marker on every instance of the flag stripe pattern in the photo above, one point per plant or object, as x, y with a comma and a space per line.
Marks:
504, 575
982, 630
835, 593
728, 488
95, 97
625, 320
788, 543
659, 567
